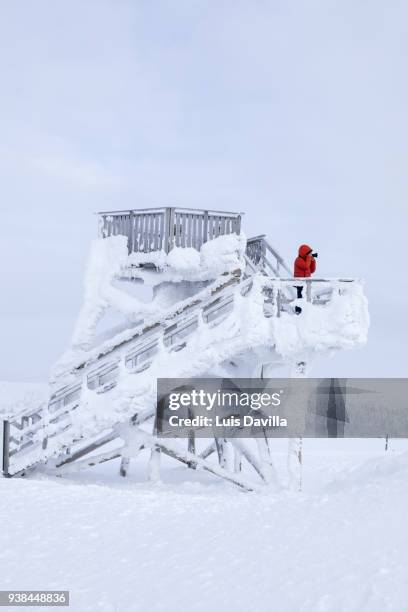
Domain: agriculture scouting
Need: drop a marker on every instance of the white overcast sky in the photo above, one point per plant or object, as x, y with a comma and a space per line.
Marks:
293, 112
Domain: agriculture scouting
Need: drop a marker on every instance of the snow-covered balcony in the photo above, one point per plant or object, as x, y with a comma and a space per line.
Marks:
333, 315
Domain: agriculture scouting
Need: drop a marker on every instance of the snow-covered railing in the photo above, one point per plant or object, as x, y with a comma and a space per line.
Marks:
317, 291
155, 229
264, 257
33, 437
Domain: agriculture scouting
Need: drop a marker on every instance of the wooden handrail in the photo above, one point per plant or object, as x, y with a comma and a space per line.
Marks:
256, 238
310, 279
265, 246
162, 208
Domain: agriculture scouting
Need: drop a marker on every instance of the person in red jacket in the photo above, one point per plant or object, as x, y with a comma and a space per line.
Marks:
305, 266
305, 262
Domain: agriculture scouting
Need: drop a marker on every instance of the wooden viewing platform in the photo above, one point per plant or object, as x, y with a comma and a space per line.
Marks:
156, 229
49, 434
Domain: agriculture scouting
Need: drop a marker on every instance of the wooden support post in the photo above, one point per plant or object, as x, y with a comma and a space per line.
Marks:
166, 230
223, 451
295, 463
245, 452
300, 459
162, 231
191, 441
131, 231
169, 229
154, 461
278, 302
154, 465
267, 467
262, 255
238, 225
308, 291
299, 369
124, 466
205, 226
203, 465
6, 450
237, 460
208, 451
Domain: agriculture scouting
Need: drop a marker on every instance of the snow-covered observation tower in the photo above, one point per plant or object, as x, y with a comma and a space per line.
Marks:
177, 293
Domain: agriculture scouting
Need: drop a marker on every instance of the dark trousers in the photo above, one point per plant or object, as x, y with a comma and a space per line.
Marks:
299, 290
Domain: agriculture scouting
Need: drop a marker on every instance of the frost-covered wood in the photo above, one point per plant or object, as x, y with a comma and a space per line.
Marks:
98, 388
156, 229
43, 433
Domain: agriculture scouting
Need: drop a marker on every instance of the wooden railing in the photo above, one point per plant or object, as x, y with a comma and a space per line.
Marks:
262, 256
155, 229
317, 291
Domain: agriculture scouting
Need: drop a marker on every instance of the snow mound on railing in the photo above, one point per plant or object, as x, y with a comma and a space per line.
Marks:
215, 257
76, 357
105, 262
109, 259
342, 323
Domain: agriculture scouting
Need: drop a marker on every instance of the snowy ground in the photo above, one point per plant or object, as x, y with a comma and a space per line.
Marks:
194, 544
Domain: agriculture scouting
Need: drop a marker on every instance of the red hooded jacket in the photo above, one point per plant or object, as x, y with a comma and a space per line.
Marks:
305, 264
